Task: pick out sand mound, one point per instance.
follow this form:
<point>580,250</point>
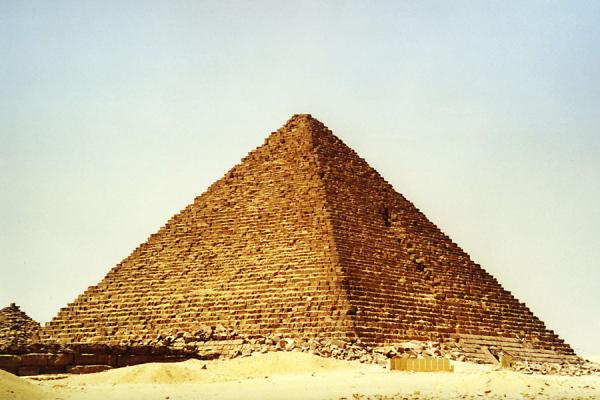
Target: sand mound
<point>182,372</point>
<point>279,363</point>
<point>15,388</point>
<point>299,376</point>
<point>195,371</point>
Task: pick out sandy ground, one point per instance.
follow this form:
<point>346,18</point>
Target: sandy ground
<point>295,376</point>
<point>13,387</point>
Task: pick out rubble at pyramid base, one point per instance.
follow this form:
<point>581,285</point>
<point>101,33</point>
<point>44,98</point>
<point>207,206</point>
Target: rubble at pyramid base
<point>23,353</point>
<point>218,342</point>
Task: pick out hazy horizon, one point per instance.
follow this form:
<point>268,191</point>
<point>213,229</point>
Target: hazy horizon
<point>115,115</point>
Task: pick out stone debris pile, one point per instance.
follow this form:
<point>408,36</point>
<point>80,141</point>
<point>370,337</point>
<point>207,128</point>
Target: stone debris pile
<point>199,334</point>
<point>221,342</point>
<point>417,349</point>
<point>206,342</point>
<point>352,350</point>
<point>585,368</point>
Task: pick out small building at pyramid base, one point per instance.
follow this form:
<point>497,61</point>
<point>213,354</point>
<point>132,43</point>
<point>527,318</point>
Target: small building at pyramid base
<point>303,245</point>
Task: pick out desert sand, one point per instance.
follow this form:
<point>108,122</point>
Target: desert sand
<point>13,387</point>
<point>295,376</point>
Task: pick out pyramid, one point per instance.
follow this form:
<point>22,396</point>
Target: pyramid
<point>17,329</point>
<point>304,238</point>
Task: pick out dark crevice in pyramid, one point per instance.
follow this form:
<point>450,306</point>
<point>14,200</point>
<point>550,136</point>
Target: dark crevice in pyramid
<point>302,238</point>
<point>17,329</point>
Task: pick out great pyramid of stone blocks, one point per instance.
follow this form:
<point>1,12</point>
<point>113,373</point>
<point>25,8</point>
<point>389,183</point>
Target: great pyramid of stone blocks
<point>303,238</point>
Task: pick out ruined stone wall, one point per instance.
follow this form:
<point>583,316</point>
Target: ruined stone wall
<point>84,359</point>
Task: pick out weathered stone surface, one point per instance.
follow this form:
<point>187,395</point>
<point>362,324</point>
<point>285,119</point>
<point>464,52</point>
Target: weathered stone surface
<point>94,359</point>
<point>209,355</point>
<point>28,370</point>
<point>17,329</point>
<point>9,360</point>
<point>36,359</point>
<point>549,368</point>
<point>220,333</point>
<point>302,239</point>
<point>60,360</point>
<point>339,343</point>
<point>203,332</point>
<point>87,369</point>
<point>132,359</point>
<point>39,359</point>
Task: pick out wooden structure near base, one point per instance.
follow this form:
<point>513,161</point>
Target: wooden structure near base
<point>421,364</point>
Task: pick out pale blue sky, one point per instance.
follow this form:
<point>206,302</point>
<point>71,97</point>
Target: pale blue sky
<point>114,115</point>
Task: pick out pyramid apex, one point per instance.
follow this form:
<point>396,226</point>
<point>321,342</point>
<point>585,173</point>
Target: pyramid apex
<point>12,308</point>
<point>302,119</point>
<point>305,124</point>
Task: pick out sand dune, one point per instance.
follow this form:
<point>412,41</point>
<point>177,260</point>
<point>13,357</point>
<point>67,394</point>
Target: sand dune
<point>296,376</point>
<point>195,371</point>
<point>15,388</point>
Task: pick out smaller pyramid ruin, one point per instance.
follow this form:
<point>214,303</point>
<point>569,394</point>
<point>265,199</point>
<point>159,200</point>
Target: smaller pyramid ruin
<point>17,329</point>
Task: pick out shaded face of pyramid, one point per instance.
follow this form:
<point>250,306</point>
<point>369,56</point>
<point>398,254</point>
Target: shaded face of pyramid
<point>301,238</point>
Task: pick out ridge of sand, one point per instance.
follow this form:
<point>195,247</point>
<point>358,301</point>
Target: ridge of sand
<point>301,376</point>
<point>14,388</point>
<point>195,371</point>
